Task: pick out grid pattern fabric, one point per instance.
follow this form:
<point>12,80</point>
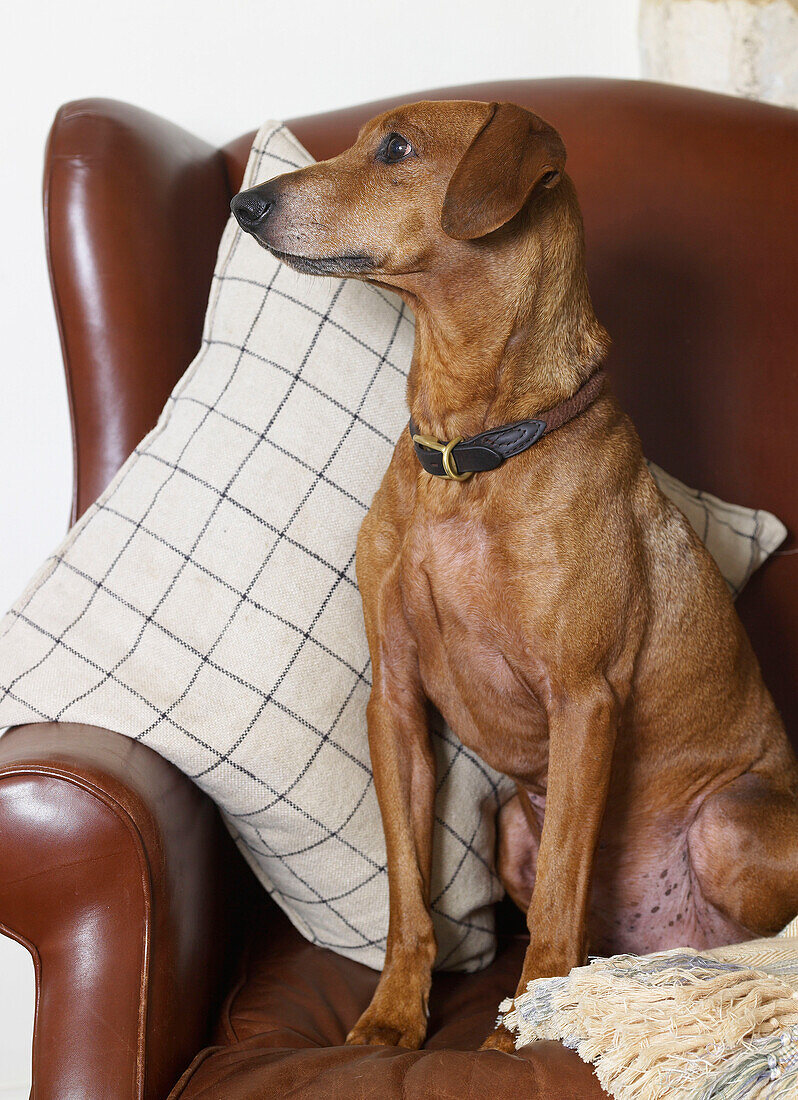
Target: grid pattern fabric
<point>739,539</point>
<point>207,605</point>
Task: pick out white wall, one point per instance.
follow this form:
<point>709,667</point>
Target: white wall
<point>218,69</point>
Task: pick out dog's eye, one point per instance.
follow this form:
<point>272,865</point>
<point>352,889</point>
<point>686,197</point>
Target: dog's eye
<point>395,148</point>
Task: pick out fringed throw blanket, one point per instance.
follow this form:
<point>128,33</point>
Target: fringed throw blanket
<point>709,1025</point>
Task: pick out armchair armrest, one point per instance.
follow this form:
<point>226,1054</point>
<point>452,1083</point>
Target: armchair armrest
<point>115,872</point>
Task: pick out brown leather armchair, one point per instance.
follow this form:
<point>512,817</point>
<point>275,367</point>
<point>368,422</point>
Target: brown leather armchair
<point>154,950</point>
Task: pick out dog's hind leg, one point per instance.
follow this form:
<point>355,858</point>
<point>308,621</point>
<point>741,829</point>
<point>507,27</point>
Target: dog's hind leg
<point>744,852</point>
<point>518,828</point>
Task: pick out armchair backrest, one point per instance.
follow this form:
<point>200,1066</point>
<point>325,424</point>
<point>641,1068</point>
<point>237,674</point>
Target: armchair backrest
<point>691,215</point>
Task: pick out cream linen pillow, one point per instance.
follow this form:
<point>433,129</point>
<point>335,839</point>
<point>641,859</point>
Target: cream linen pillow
<point>206,604</point>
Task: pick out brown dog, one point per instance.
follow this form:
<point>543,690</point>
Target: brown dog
<point>557,610</point>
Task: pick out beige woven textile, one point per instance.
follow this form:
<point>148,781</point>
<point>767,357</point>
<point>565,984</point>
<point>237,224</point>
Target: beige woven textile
<point>679,1024</point>
<point>207,606</point>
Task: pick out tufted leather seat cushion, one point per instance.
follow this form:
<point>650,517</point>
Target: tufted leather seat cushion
<point>282,1029</point>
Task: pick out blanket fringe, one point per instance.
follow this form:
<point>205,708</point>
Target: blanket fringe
<point>677,1024</point>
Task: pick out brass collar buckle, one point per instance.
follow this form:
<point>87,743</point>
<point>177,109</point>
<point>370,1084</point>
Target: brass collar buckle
<point>449,464</point>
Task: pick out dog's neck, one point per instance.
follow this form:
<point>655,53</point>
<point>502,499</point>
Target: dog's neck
<point>511,333</point>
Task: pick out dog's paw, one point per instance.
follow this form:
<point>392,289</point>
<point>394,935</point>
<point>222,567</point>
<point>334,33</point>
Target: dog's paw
<point>373,1031</point>
<point>500,1039</point>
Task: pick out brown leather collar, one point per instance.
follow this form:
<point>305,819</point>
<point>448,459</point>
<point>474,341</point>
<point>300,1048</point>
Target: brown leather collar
<point>458,459</point>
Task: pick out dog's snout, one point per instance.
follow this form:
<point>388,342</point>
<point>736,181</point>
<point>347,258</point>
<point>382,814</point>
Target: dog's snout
<point>252,208</point>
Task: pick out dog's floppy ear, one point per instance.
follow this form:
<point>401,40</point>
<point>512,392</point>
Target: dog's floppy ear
<point>514,152</point>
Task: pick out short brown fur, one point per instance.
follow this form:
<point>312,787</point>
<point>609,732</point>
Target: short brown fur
<point>559,611</point>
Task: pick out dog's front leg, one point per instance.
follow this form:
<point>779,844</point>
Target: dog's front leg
<point>404,777</point>
<point>582,729</point>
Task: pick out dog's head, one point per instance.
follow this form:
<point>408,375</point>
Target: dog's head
<point>420,183</point>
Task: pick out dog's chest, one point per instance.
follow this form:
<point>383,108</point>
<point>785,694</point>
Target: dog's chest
<point>461,600</point>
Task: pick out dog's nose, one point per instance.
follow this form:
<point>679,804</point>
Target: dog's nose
<point>252,208</point>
